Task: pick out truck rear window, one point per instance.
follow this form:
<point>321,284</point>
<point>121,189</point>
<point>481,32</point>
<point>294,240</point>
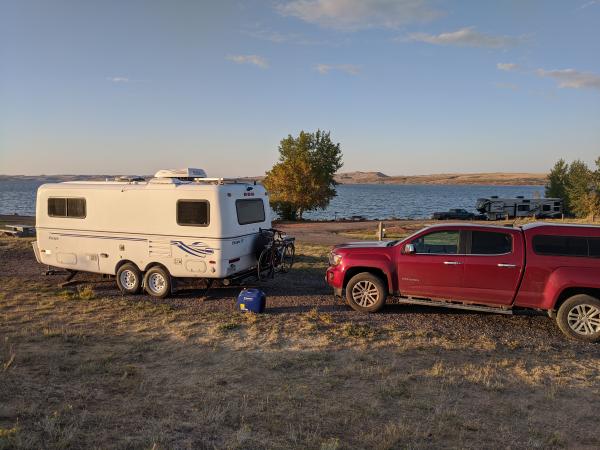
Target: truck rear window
<point>250,210</point>
<point>566,246</point>
<point>490,243</point>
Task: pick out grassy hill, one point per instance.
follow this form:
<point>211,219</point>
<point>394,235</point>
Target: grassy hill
<point>494,178</point>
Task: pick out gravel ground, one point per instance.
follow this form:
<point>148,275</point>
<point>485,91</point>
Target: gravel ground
<point>304,289</point>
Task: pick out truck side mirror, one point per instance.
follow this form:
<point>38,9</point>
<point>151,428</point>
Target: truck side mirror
<point>409,249</point>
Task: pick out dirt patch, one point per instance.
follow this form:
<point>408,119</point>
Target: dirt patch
<point>88,367</point>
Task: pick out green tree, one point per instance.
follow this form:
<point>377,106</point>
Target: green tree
<point>579,188</point>
<point>557,183</point>
<point>302,180</point>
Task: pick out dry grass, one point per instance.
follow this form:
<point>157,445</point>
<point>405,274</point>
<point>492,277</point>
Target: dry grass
<point>78,369</point>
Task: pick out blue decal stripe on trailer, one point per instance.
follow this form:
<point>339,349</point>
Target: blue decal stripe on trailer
<point>114,238</point>
<point>194,249</point>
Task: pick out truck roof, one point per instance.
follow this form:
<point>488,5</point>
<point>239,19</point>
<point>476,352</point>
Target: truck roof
<point>529,226</point>
<point>535,225</point>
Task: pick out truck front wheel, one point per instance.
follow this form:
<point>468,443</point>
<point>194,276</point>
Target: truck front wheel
<point>579,318</point>
<point>366,292</point>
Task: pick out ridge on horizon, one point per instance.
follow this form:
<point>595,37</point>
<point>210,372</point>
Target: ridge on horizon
<point>360,177</point>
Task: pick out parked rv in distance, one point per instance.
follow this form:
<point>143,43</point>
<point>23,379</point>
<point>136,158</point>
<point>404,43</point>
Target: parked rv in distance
<point>495,208</point>
<point>179,224</point>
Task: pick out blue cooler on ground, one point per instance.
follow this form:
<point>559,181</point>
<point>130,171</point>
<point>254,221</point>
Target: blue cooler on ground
<point>253,300</point>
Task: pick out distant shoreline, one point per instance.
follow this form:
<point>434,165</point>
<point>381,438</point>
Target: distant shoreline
<point>482,179</point>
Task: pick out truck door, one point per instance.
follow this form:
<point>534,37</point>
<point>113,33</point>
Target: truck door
<point>494,262</point>
<point>435,269</point>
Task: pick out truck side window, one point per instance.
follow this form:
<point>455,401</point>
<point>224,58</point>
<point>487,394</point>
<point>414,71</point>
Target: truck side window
<point>490,243</point>
<point>66,207</point>
<point>560,245</point>
<point>250,211</point>
<point>438,242</point>
<point>193,213</point>
<point>594,247</point>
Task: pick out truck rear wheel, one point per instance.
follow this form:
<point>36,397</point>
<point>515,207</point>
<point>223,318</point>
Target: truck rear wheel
<point>129,279</point>
<point>366,292</point>
<point>579,318</point>
<point>158,282</point>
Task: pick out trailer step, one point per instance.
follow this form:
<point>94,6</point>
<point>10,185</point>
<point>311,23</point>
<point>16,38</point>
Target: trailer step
<point>449,304</point>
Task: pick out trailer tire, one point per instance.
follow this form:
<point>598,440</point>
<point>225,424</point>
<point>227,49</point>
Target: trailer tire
<point>579,318</point>
<point>158,282</point>
<point>365,292</point>
<point>129,279</point>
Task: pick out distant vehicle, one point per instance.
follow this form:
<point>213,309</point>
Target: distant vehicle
<point>179,224</point>
<point>546,267</point>
<point>453,214</point>
<point>495,208</point>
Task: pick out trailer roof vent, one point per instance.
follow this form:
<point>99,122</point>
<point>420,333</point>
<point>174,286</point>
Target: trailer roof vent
<point>180,173</point>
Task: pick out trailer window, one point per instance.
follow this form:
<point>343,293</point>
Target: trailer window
<point>439,242</point>
<point>66,207</point>
<point>490,243</point>
<point>560,245</point>
<point>193,213</point>
<point>250,211</point>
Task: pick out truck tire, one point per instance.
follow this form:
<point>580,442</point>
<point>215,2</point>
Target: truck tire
<point>129,279</point>
<point>158,282</point>
<point>366,292</point>
<point>579,318</point>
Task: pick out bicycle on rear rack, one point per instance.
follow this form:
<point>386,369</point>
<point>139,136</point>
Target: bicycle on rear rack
<point>277,256</point>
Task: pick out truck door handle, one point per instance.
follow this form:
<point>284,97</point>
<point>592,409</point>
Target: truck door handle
<point>452,263</point>
<point>510,266</point>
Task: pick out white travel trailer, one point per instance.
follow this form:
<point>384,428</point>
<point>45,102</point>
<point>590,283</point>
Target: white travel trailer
<point>178,224</point>
<point>495,208</point>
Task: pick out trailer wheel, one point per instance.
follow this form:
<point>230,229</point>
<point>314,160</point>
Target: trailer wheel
<point>366,292</point>
<point>579,318</point>
<point>129,279</point>
<point>158,282</point>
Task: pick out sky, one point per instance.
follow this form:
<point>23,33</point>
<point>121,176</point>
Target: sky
<point>405,86</point>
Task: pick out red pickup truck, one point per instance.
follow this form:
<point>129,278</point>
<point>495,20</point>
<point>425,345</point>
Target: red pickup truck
<point>544,267</point>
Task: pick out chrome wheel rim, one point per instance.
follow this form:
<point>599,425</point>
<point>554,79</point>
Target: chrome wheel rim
<point>128,279</point>
<point>156,283</point>
<point>365,293</point>
<point>584,319</point>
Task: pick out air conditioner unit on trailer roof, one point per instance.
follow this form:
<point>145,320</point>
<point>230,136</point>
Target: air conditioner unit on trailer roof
<point>180,173</point>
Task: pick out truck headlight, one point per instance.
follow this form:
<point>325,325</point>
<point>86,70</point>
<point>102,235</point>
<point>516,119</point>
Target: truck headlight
<point>334,259</point>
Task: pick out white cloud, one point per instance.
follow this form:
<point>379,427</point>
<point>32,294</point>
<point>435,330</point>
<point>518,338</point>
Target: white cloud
<point>249,59</point>
<point>466,37</point>
<point>281,38</point>
<point>508,67</point>
<point>351,15</point>
<point>590,3</point>
<point>511,86</point>
<point>571,78</point>
<point>118,79</point>
<point>350,69</point>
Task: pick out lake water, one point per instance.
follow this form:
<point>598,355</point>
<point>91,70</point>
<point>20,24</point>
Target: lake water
<point>373,201</point>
